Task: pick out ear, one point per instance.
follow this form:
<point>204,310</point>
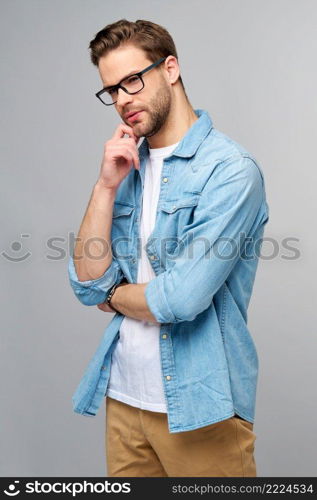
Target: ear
<point>171,68</point>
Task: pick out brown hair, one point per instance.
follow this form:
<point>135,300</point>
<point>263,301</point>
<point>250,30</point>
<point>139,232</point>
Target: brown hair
<point>150,37</point>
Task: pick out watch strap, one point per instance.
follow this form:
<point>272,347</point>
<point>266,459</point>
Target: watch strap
<point>113,289</point>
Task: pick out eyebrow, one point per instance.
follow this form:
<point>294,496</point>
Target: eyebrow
<point>129,74</point>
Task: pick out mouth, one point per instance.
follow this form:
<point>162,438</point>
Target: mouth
<point>134,117</point>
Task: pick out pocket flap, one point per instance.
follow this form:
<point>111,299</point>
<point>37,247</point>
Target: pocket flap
<point>120,208</point>
<point>172,206</point>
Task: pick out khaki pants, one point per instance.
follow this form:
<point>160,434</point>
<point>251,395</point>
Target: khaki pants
<point>138,444</point>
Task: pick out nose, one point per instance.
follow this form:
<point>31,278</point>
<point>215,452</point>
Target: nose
<point>123,98</point>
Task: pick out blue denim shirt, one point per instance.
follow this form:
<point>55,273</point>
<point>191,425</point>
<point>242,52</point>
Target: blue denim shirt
<point>204,250</point>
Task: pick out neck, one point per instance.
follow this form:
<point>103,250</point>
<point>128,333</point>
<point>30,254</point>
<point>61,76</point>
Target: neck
<point>181,117</point>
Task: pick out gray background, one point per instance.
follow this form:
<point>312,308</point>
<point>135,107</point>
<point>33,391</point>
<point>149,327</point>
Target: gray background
<point>251,64</point>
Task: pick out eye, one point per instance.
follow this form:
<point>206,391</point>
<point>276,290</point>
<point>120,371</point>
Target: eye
<point>132,79</point>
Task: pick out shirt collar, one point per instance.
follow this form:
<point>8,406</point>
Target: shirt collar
<point>190,142</point>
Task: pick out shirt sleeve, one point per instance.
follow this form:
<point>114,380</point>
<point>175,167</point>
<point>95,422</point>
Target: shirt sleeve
<point>228,209</point>
<point>93,292</point>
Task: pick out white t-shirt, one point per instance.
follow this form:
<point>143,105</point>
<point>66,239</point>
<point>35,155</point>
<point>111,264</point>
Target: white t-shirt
<point>136,375</point>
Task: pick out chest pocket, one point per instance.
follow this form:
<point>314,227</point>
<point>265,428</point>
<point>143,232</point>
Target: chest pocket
<point>175,216</point>
<point>121,236</point>
<point>121,209</point>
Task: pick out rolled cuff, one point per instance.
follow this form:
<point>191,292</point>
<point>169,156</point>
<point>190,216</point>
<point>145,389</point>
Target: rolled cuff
<point>95,291</point>
<point>156,301</point>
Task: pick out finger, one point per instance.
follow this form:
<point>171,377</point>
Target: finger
<point>104,308</point>
<point>123,129</point>
<point>131,133</point>
<point>135,158</point>
<point>126,140</point>
<point>136,161</point>
<point>128,152</point>
<point>135,155</point>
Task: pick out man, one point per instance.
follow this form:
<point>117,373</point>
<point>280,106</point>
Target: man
<point>169,242</point>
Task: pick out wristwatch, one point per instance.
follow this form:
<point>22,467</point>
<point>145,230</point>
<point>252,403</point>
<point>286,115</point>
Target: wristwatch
<point>113,289</point>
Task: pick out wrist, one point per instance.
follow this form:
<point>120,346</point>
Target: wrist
<point>112,308</point>
<point>111,299</point>
<point>102,198</point>
<point>101,186</point>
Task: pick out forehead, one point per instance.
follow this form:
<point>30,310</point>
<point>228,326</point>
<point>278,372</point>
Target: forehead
<point>120,62</point>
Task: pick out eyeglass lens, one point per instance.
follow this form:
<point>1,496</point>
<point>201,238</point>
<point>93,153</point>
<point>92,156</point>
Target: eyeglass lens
<point>132,84</point>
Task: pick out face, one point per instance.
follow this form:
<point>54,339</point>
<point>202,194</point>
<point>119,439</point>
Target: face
<point>154,99</point>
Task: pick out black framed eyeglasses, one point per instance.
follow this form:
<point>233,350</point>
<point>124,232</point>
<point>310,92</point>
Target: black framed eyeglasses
<point>131,84</point>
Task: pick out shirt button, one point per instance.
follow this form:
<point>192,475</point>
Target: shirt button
<point>165,179</point>
<point>168,377</point>
<point>152,257</point>
<point>164,336</point>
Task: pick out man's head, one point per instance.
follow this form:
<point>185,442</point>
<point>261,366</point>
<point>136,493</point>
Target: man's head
<point>125,47</point>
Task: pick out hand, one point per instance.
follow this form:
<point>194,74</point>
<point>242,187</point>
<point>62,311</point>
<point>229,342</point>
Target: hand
<point>120,153</point>
<point>105,308</point>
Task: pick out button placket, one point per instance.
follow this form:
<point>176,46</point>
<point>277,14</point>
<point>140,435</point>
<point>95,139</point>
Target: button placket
<point>167,363</point>
<point>149,247</point>
<point>138,211</point>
